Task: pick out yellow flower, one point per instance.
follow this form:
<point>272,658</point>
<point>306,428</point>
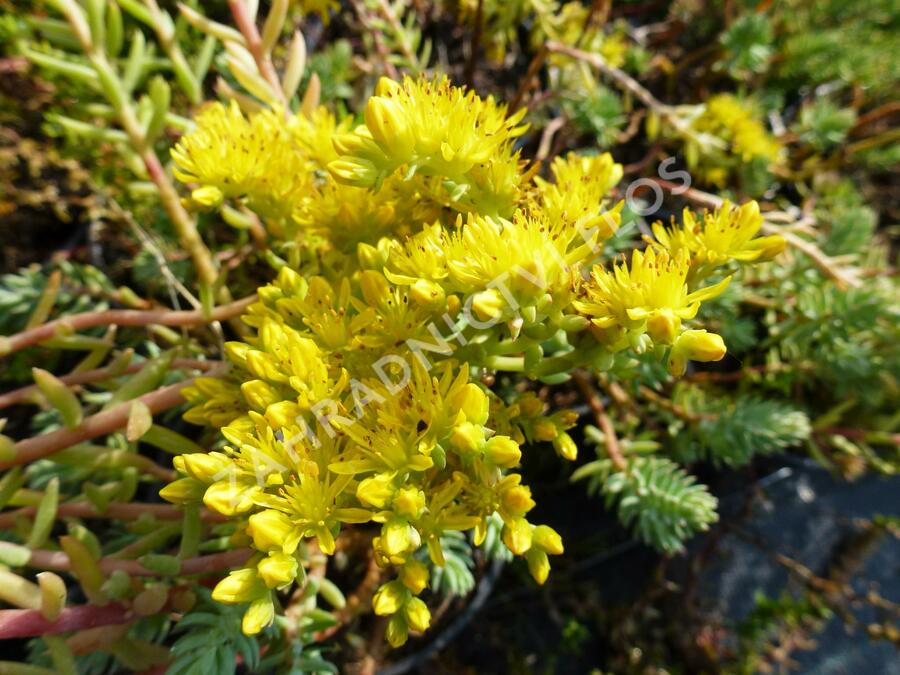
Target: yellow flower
<point>315,506</point>
<point>735,121</point>
<point>233,157</point>
<point>433,128</point>
<point>649,296</point>
<point>314,134</point>
<point>346,215</point>
<point>501,265</point>
<point>577,196</point>
<point>729,233</point>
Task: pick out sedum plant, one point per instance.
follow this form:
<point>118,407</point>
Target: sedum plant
<point>360,396</point>
<point>443,278</point>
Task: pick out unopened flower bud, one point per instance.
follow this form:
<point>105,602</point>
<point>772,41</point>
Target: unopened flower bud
<point>417,615</point>
<point>259,395</point>
<point>208,196</point>
<point>376,490</point>
<point>467,437</point>
<point>389,598</point>
<point>488,304</point>
<point>502,451</point>
<point>547,539</point>
<point>239,586</point>
<point>538,565</point>
<point>663,326</point>
<point>370,258</point>
<point>389,127</point>
<point>545,430</point>
<point>517,500</point>
<point>204,466</point>
<point>354,171</point>
<point>427,293</point>
<point>414,575</point>
<point>270,530</point>
<point>768,247</point>
<point>183,491</point>
<point>474,403</point>
<point>695,345</point>
<point>397,631</point>
<point>259,615</point>
<point>409,502</point>
<point>517,535</point>
<point>565,446</point>
<point>277,569</point>
<point>396,537</point>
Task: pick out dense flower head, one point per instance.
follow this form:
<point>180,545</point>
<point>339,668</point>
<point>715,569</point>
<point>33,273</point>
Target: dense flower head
<point>578,193</point>
<point>424,260</point>
<point>728,233</point>
<point>230,156</point>
<point>431,127</point>
<point>501,265</point>
<point>649,298</point>
<point>727,117</point>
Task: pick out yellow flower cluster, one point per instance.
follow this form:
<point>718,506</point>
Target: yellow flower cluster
<point>735,122</point>
<point>311,448</point>
<point>645,303</point>
<point>233,157</point>
<point>361,396</point>
<point>727,234</point>
<point>432,128</point>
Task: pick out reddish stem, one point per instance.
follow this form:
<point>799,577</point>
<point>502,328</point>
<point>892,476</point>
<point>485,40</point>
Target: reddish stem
<point>121,317</point>
<point>123,511</point>
<point>24,623</point>
<point>31,449</point>
<point>583,381</point>
<point>246,25</point>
